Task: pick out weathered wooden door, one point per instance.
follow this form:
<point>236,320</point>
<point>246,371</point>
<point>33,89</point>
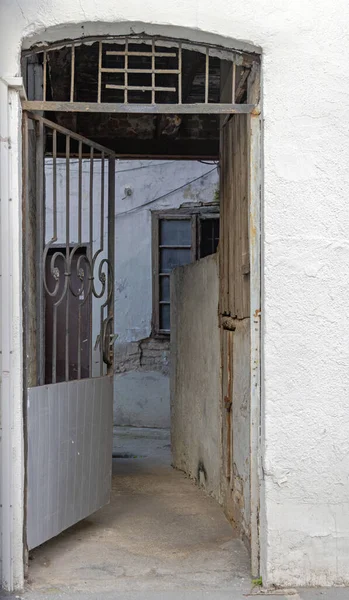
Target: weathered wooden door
<point>69,185</point>
<point>235,317</point>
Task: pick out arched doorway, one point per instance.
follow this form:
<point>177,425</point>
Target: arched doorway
<point>139,83</point>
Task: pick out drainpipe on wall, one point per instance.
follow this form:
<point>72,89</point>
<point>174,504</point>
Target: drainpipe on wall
<point>11,366</point>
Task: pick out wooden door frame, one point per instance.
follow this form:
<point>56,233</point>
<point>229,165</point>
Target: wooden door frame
<point>255,251</point>
<point>233,308</point>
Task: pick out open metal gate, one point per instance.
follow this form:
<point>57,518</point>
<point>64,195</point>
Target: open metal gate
<point>68,212</point>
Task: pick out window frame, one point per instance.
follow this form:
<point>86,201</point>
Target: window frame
<point>203,216</point>
<point>193,214</point>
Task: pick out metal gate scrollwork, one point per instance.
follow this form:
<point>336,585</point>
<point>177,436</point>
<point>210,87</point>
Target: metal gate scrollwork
<point>73,271</point>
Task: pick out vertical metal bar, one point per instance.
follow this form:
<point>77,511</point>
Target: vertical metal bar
<point>92,253</point>
<point>91,198</point>
<point>44,76</point>
<point>54,344</point>
<point>72,75</point>
<point>67,252</point>
<point>111,240</point>
<point>233,80</point>
<point>54,183</point>
<point>102,202</point>
<point>79,342</point>
<point>101,340</point>
<point>40,241</point>
<point>100,47</point>
<point>80,195</point>
<point>126,73</point>
<point>153,72</point>
<point>207,74</point>
<point>79,241</point>
<point>180,73</point>
<point>54,195</point>
<point>26,247</point>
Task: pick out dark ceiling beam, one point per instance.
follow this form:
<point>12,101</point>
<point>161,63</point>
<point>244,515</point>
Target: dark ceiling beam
<point>152,148</point>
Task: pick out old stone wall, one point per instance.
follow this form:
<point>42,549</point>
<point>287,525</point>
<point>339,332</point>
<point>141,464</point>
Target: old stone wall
<point>150,354</point>
<point>141,383</point>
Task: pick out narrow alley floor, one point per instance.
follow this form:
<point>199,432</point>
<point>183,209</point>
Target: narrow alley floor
<point>160,532</point>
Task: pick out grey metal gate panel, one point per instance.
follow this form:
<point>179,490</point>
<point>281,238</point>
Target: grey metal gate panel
<point>69,300</point>
<point>69,454</point>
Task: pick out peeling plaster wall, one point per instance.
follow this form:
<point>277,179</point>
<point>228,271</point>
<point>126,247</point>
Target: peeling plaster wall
<point>305,485</point>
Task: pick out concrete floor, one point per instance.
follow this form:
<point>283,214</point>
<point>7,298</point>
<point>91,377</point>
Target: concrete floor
<point>159,533</point>
<point>160,538</point>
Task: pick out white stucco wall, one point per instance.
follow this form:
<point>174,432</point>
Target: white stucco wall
<point>305,488</point>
